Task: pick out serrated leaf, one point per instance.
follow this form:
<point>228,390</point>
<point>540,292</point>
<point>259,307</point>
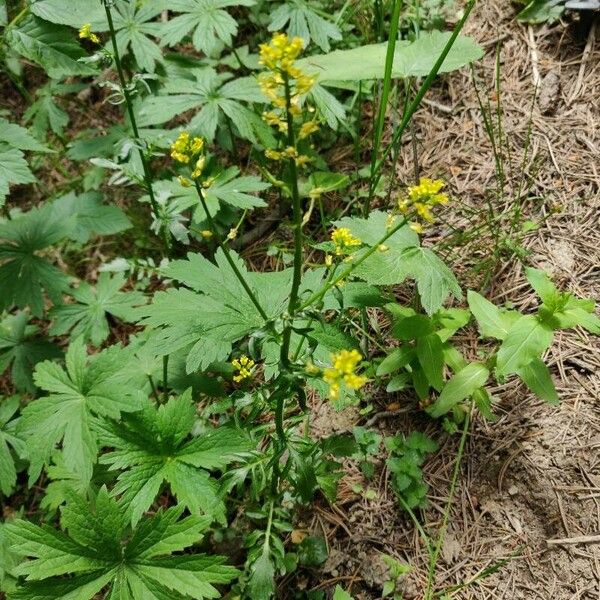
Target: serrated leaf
<point>537,378</point>
<point>237,191</point>
<point>11,445</point>
<point>87,316</point>
<point>261,583</point>
<point>101,552</point>
<point>21,348</point>
<point>80,12</point>
<point>54,47</point>
<point>76,396</point>
<point>461,386</point>
<point>13,169</point>
<point>206,20</point>
<point>18,137</point>
<point>414,59</point>
<point>526,340</point>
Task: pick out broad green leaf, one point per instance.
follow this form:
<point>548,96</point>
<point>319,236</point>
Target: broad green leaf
<point>305,23</point>
<point>97,550</point>
<point>542,284</point>
<point>156,446</point>
<point>91,216</point>
<point>461,386</point>
<point>10,444</point>
<point>211,26</point>
<point>54,47</point>
<point>527,339</point>
<point>394,361</point>
<point>578,312</point>
<point>24,274</point>
<point>13,169</point>
<point>493,322</point>
<point>340,594</point>
<point>537,378</point>
<point>431,358</point>
<point>261,584</point>
<point>87,316</point>
<point>414,59</point>
<point>79,13</point>
<point>21,348</point>
<point>76,396</point>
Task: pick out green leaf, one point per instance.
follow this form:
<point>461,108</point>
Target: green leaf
<point>305,23</point>
<point>87,317</point>
<point>435,281</point>
<point>431,357</point>
<point>527,339</point>
<point>461,386</point>
<point>211,26</point>
<point>542,284</point>
<point>54,47</point>
<point>97,551</point>
<point>18,137</point>
<point>261,584</point>
<point>13,169</point>
<point>90,215</point>
<point>10,444</point>
<point>76,396</point>
<point>217,99</point>
<point>340,594</point>
<point>237,191</point>
<point>493,322</point>
<point>541,11</point>
<point>394,361</point>
<point>414,59</point>
<point>21,348</point>
<point>24,275</point>
<point>156,446</point>
<point>537,378</point>
<point>80,12</point>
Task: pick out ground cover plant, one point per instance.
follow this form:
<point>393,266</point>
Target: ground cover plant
<point>188,276</point>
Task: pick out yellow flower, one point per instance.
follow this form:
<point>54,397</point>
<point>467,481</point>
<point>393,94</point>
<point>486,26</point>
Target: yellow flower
<point>243,365</point>
<point>85,33</point>
<point>417,227</point>
<point>302,160</point>
<point>428,192</point>
<point>199,167</point>
<point>206,234</point>
<point>343,371</point>
<point>344,241</point>
<point>184,181</point>
<point>281,52</point>
<point>184,149</point>
<point>307,129</point>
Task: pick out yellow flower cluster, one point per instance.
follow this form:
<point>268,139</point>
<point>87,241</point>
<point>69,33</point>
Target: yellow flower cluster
<point>185,150</point>
<point>85,33</point>
<point>243,365</point>
<point>344,241</point>
<point>283,83</point>
<point>289,152</point>
<point>422,198</point>
<point>343,371</point>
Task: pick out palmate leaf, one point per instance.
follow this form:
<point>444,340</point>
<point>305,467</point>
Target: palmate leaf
<point>90,215</point>
<point>156,446</point>
<point>54,47</point>
<point>87,316</point>
<point>216,313</point>
<point>237,191</point>
<point>21,348</point>
<point>97,550</point>
<point>133,23</point>
<point>206,20</point>
<point>45,113</point>
<point>76,396</point>
<point>10,444</point>
<point>216,98</point>
<point>24,275</point>
<point>304,22</point>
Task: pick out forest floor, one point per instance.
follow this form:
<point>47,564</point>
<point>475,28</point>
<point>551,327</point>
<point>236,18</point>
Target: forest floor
<point>533,475</point>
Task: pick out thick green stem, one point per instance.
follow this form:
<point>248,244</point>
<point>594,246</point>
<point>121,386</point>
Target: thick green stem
<point>228,257</point>
<point>133,122</point>
<point>297,207</point>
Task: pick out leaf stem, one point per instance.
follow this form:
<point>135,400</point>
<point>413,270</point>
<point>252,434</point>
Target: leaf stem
<point>133,122</point>
<point>227,253</point>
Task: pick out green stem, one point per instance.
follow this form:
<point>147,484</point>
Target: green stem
<point>375,248</point>
<point>297,207</point>
<point>385,94</point>
<point>418,98</point>
<point>133,122</point>
<point>165,381</point>
<point>227,253</point>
